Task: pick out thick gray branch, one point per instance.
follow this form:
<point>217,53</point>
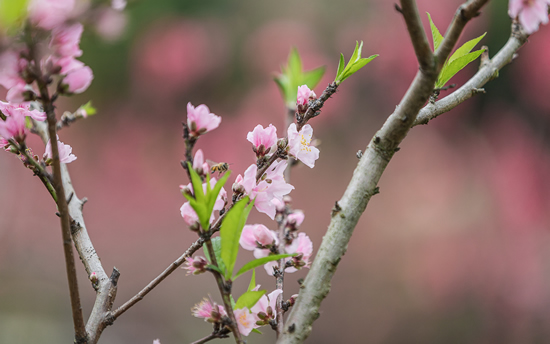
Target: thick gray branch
<point>363,186</point>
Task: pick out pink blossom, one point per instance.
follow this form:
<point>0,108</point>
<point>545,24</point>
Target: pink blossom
<point>156,341</point>
<point>10,109</point>
<point>204,310</point>
<point>68,64</point>
<point>188,213</point>
<point>200,120</point>
<point>78,80</point>
<point>65,152</point>
<point>11,67</point>
<point>304,94</point>
<point>110,24</point>
<point>246,321</point>
<point>265,302</point>
<point>198,163</point>
<point>195,265</point>
<point>3,142</point>
<point>50,13</point>
<point>301,245</point>
<point>296,218</point>
<point>531,13</point>
<point>299,143</point>
<point>118,5</point>
<point>272,186</point>
<point>263,139</point>
<point>254,235</point>
<point>14,127</point>
<point>66,39</point>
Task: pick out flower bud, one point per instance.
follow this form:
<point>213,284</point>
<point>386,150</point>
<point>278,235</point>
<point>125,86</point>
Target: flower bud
<point>292,300</point>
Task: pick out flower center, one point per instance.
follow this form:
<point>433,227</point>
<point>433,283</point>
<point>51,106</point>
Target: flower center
<point>304,143</point>
<point>243,321</point>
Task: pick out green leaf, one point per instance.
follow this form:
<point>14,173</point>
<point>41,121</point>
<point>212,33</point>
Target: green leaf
<point>252,284</point>
<point>202,203</point>
<point>215,268</point>
<point>356,66</point>
<point>436,36</point>
<point>88,108</point>
<point>249,299</point>
<point>341,65</point>
<point>230,233</point>
<point>261,261</point>
<point>212,195</point>
<point>312,78</point>
<point>355,63</point>
<point>255,330</point>
<point>456,66</point>
<point>217,245</point>
<point>12,13</point>
<point>466,48</point>
<point>292,76</point>
<point>356,53</point>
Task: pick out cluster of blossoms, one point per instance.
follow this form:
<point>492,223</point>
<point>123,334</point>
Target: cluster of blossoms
<point>26,64</point>
<point>264,182</point>
<point>530,13</point>
<point>259,315</point>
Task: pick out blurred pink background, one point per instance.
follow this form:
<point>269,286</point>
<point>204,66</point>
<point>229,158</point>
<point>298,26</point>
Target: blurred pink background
<point>455,248</point>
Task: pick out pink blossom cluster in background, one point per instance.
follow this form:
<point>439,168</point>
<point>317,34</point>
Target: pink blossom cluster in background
<point>531,13</point>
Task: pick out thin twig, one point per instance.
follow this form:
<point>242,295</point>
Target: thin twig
<point>139,296</point>
<point>315,106</point>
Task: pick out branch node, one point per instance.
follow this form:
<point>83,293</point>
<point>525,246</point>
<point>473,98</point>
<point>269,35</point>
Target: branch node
<point>398,8</point>
<point>359,154</point>
<point>336,209</point>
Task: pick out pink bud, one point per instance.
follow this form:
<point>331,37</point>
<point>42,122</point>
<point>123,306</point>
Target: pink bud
<point>14,127</point>
<point>78,80</point>
<point>65,152</point>
<point>66,39</point>
<point>304,94</point>
<point>260,136</point>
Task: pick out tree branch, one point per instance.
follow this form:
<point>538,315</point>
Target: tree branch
<point>139,296</point>
<point>106,286</point>
<point>361,188</point>
<point>62,207</point>
<point>467,11</point>
<point>419,40</point>
<point>487,72</point>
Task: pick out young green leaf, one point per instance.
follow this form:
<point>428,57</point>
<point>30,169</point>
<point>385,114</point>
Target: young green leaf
<point>230,233</point>
<point>249,299</point>
<point>292,76</point>
<point>261,261</point>
<point>436,36</point>
<point>255,330</point>
<point>341,65</point>
<point>12,12</point>
<point>215,268</point>
<point>88,109</point>
<point>354,64</point>
<point>456,66</point>
<point>252,284</point>
<point>217,245</point>
<point>466,48</point>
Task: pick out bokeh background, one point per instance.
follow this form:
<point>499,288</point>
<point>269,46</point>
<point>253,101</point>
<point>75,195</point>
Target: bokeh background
<point>455,248</point>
